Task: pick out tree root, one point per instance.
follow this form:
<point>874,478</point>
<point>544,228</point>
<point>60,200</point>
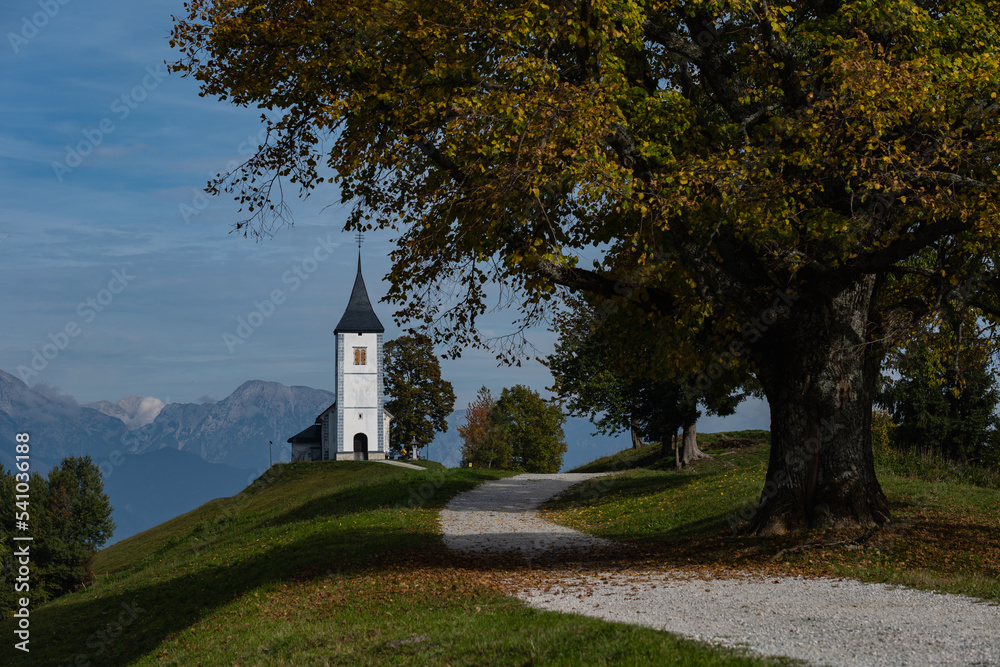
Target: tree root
<point>863,539</point>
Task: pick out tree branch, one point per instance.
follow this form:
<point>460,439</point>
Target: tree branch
<point>906,246</point>
<point>671,41</point>
<point>938,177</point>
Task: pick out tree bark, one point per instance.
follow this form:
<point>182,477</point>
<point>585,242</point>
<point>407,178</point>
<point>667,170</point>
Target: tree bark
<point>636,438</point>
<point>689,446</point>
<point>819,365</point>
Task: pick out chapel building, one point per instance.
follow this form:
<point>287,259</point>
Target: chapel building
<point>356,426</point>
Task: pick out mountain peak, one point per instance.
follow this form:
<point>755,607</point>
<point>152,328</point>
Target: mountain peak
<point>134,411</point>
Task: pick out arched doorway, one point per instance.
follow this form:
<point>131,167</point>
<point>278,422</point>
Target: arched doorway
<point>361,446</point>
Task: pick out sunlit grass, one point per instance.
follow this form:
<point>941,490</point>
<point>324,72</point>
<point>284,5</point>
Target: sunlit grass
<point>945,535</point>
<point>324,563</point>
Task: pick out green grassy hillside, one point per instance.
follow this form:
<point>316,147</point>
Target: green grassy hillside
<point>945,534</point>
<point>318,564</point>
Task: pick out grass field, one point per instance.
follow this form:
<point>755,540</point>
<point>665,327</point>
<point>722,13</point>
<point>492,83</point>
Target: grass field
<point>341,563</point>
<point>945,535</point>
<point>320,564</point>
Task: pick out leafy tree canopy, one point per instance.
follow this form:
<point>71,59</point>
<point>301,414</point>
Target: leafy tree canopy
<point>532,429</point>
<point>601,371</point>
<point>518,431</point>
<point>945,396</point>
<point>718,157</point>
<point>420,400</point>
<point>77,523</point>
<point>481,445</point>
<point>69,516</point>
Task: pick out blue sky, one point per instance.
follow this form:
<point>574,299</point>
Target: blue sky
<point>119,272</point>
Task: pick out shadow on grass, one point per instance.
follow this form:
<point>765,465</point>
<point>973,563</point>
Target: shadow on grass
<point>410,490</point>
<point>96,627</point>
<point>636,485</point>
<point>162,609</point>
<point>166,607</point>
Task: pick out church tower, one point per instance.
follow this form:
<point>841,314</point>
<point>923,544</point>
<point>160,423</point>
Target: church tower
<point>356,426</point>
<point>362,424</point>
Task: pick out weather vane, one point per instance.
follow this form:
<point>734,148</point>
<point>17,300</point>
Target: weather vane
<point>359,237</point>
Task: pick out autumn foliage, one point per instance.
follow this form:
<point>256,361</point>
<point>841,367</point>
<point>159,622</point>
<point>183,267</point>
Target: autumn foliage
<point>684,163</point>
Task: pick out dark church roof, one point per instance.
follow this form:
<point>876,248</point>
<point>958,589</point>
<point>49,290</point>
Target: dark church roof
<point>307,437</point>
<point>359,316</point>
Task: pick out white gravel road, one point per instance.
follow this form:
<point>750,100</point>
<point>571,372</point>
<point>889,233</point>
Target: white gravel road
<point>500,517</point>
<point>821,621</point>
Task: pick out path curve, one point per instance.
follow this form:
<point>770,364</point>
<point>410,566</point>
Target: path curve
<point>500,517</point>
<point>822,621</point>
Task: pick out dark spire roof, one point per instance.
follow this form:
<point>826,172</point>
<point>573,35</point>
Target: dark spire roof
<point>359,316</point>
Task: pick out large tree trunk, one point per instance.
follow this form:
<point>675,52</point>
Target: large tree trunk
<point>689,450</point>
<point>819,365</point>
<point>636,437</point>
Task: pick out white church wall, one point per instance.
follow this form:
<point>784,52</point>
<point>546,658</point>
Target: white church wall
<point>360,381</point>
<point>369,342</point>
<point>360,420</point>
<point>360,391</point>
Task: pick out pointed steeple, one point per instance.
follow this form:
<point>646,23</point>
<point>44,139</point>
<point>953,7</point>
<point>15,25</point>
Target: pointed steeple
<point>359,316</point>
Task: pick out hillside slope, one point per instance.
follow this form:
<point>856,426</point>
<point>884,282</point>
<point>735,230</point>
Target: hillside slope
<point>323,563</point>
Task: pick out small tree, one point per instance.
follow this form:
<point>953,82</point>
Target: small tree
<point>480,446</point>
<point>421,400</point>
<point>598,379</point>
<point>77,523</point>
<point>945,399</point>
<point>532,429</point>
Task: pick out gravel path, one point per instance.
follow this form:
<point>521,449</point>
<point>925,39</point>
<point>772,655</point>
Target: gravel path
<point>400,464</point>
<point>822,621</point>
<point>499,517</point>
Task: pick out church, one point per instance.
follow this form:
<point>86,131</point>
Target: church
<point>356,426</point>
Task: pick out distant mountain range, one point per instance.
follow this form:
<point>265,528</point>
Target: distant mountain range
<point>58,426</point>
<point>159,460</point>
<point>236,430</point>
